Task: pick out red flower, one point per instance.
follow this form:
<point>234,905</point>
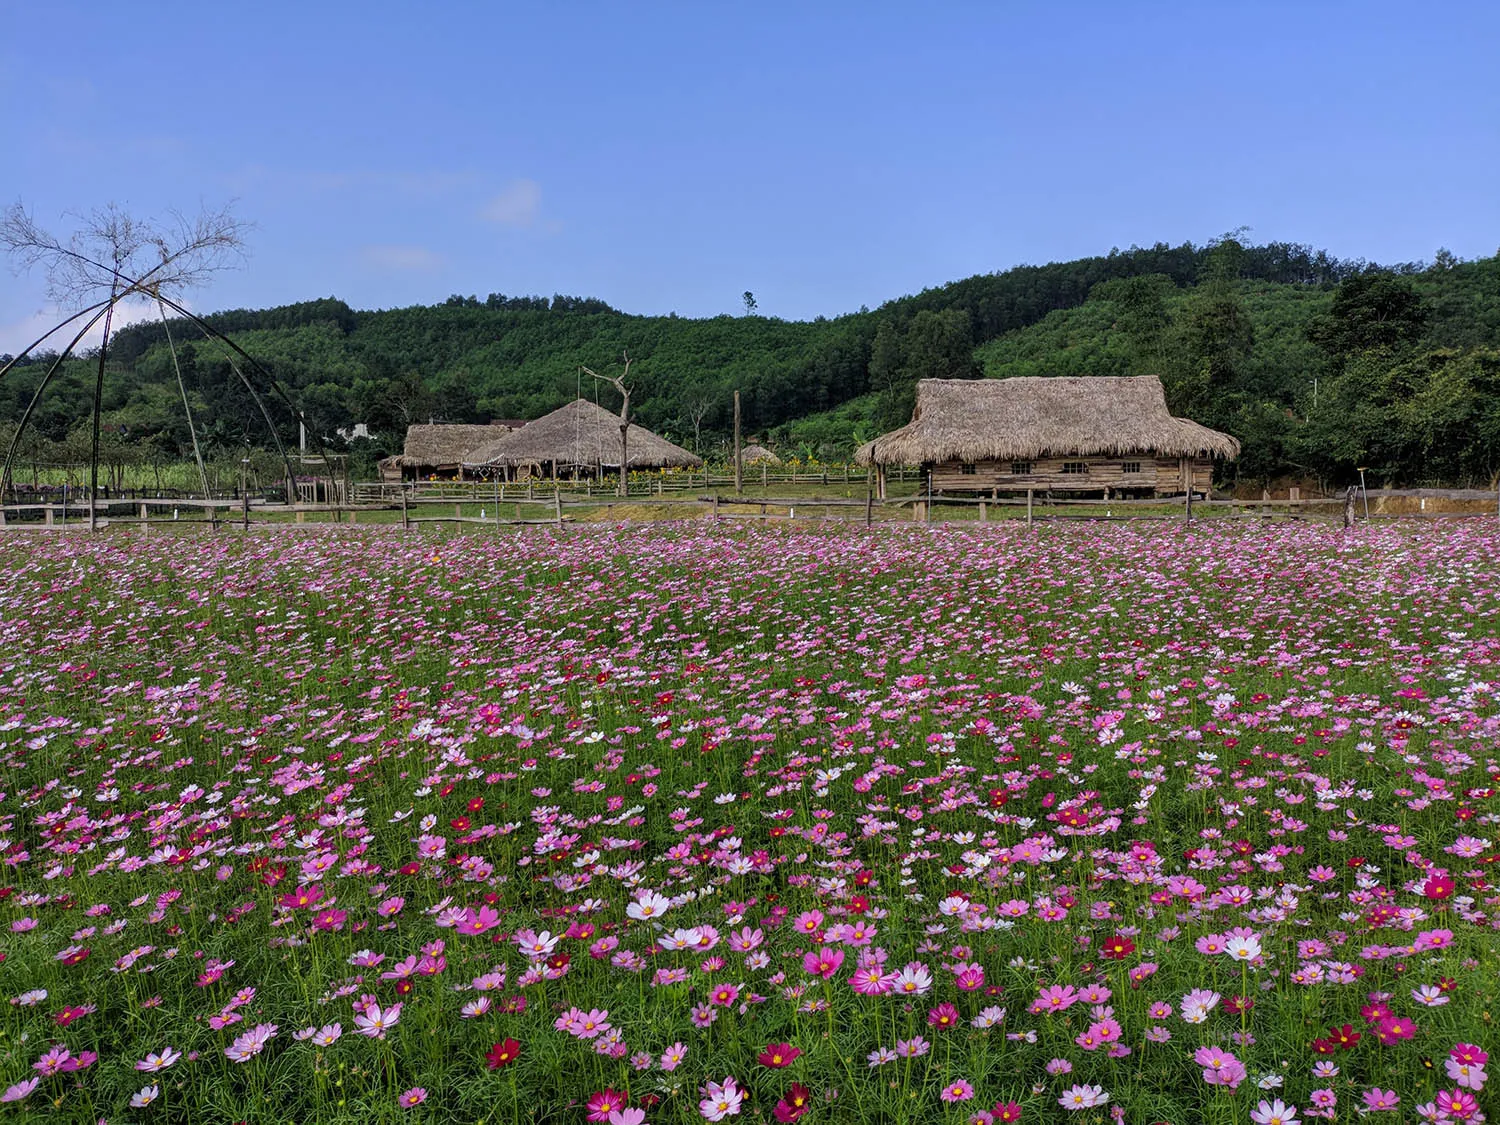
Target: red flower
<point>1118,947</point>
<point>1007,1111</point>
<point>1438,888</point>
<point>778,1055</point>
<point>795,1104</point>
<point>503,1054</point>
<point>1344,1037</point>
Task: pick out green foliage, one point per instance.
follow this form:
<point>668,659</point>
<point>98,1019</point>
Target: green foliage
<point>1238,334</point>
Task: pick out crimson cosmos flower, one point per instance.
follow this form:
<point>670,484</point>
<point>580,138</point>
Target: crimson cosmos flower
<point>503,1054</point>
<point>779,1055</point>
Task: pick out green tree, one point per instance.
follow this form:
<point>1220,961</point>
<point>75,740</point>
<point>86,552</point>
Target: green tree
<point>1372,310</point>
<point>1216,331</point>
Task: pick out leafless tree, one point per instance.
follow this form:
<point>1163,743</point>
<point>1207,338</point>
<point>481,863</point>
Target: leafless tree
<point>698,407</point>
<point>116,254</point>
<point>113,255</point>
<point>618,382</point>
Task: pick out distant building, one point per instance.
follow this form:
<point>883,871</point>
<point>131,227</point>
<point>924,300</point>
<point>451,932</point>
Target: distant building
<point>439,449</point>
<point>1062,434</point>
<point>580,439</point>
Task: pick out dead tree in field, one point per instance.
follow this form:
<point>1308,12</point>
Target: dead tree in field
<point>618,382</point>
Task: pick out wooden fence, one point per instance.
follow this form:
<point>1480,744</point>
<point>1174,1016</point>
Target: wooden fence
<point>521,505</point>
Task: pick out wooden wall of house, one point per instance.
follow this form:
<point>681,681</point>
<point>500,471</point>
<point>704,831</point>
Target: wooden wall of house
<point>1159,475</point>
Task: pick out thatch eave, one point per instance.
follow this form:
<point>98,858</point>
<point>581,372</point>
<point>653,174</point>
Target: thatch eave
<point>1030,418</point>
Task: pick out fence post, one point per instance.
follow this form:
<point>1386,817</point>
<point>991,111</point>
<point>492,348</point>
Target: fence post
<point>405,515</point>
<point>1028,507</point>
<point>869,506</point>
<point>1349,508</point>
<point>557,507</point>
<point>715,499</point>
<point>983,515</point>
<point>245,508</point>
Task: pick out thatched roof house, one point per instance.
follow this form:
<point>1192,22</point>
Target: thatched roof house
<point>440,448</point>
<point>1079,433</point>
<point>754,454</point>
<point>581,435</point>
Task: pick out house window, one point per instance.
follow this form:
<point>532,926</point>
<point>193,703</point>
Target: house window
<point>968,469</point>
<point>1075,468</point>
<point>1020,468</point>
<point>1130,467</point>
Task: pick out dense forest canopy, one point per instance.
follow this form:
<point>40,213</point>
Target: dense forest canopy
<point>1317,364</point>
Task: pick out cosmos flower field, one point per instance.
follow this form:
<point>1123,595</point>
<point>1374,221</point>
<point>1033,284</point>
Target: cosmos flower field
<point>1127,822</point>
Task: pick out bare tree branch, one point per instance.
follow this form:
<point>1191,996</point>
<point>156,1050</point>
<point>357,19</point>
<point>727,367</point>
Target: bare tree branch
<point>618,382</point>
<point>113,253</point>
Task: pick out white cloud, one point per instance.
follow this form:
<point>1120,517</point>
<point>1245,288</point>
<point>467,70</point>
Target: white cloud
<point>401,258</point>
<point>17,334</point>
<point>516,206</point>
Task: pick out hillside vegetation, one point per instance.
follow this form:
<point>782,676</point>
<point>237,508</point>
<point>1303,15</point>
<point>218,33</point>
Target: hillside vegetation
<point>1318,365</point>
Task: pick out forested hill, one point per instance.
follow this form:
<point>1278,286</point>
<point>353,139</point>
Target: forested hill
<point>1404,360</point>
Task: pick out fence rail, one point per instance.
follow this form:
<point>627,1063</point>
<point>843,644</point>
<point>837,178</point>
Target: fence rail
<point>502,505</point>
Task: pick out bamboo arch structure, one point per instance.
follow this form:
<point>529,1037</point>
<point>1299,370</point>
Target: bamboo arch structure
<point>103,310</point>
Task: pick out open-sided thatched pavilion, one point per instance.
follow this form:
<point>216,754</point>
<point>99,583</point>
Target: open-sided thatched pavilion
<point>580,439</point>
<point>438,449</point>
<point>1074,434</point>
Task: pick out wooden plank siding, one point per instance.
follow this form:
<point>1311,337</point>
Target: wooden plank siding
<point>1164,476</point>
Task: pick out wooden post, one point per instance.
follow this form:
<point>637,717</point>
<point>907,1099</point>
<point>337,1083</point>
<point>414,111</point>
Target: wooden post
<point>764,472</point>
<point>557,507</point>
<point>245,509</point>
<point>1349,508</point>
<point>983,514</point>
<point>406,515</point>
<point>47,515</point>
<point>1028,507</point>
<point>869,506</point>
<point>143,513</point>
<point>738,482</point>
<point>458,511</point>
<point>716,508</point>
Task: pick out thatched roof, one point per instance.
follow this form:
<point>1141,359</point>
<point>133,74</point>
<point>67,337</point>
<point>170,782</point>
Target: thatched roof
<point>1026,418</point>
<point>758,455</point>
<point>580,433</point>
<point>443,445</point>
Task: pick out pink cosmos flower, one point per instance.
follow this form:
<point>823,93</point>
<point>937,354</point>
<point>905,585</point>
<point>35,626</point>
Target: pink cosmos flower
<point>957,1091</point>
<point>245,1047</point>
<point>823,963</point>
<point>1457,1104</point>
<point>605,1102</point>
<point>720,1100</point>
<point>375,1022</point>
<point>1274,1113</point>
<point>20,1090</point>
<point>1377,1099</point>
<point>945,1017</point>
<point>1055,998</point>
<point>154,1062</point>
<point>1079,1096</point>
<point>413,1097</point>
<point>1393,1029</point>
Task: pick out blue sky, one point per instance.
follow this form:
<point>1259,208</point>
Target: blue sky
<point>667,157</point>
